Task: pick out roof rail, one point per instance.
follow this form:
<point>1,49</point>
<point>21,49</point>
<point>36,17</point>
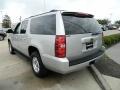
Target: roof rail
<point>42,13</point>
<point>53,10</point>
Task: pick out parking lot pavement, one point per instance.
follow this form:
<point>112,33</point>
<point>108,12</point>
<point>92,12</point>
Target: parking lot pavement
<point>113,82</point>
<point>110,67</point>
<point>11,65</point>
<point>16,74</point>
<point>110,32</point>
<point>114,53</point>
<point>111,73</point>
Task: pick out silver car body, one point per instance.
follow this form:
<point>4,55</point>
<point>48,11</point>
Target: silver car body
<point>75,46</point>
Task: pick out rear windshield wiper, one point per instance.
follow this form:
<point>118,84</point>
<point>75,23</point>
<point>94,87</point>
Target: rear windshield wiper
<point>96,33</point>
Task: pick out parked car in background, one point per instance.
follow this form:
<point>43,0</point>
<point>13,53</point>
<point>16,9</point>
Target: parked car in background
<point>111,27</point>
<point>2,34</point>
<point>104,27</point>
<point>60,41</point>
<point>119,28</point>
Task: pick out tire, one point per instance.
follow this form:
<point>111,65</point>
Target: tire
<point>37,65</point>
<point>11,49</point>
<point>1,37</point>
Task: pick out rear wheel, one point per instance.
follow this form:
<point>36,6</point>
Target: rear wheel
<point>37,65</point>
<point>11,49</point>
<point>1,37</point>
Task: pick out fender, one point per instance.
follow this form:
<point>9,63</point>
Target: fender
<point>38,46</point>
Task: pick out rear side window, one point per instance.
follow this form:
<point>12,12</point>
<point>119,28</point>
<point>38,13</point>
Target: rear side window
<point>43,25</point>
<point>80,25</point>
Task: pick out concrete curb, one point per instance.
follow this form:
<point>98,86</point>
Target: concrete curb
<point>99,78</point>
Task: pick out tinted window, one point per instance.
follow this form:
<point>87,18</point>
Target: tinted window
<point>80,25</point>
<point>24,27</point>
<point>43,25</point>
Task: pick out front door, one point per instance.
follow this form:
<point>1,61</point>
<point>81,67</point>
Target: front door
<point>23,38</point>
<point>15,36</point>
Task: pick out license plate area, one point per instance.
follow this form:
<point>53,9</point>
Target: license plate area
<point>89,45</point>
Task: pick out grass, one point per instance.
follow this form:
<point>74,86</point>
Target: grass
<point>111,40</point>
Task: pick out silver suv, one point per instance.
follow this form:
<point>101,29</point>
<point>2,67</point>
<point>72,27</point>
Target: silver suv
<point>60,41</point>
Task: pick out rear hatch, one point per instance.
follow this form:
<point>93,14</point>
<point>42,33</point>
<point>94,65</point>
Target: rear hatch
<point>83,36</point>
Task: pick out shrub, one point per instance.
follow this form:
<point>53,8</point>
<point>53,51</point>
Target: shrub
<point>111,40</point>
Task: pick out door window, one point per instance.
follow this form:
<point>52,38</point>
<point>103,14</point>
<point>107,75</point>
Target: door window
<point>17,29</point>
<point>24,27</point>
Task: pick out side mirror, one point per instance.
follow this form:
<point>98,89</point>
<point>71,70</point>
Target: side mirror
<point>9,31</point>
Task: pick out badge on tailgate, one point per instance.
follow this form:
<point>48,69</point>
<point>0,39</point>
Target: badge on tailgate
<point>89,44</point>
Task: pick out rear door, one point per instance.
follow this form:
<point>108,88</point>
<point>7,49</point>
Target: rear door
<point>83,35</point>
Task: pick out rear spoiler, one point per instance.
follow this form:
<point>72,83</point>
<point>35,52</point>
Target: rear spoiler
<point>77,14</point>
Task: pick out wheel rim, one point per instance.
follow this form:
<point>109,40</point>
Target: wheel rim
<point>1,38</point>
<point>36,65</point>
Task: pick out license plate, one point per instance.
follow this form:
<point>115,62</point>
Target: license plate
<point>89,45</point>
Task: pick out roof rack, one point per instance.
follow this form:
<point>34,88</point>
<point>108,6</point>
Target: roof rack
<point>54,10</point>
<point>44,13</point>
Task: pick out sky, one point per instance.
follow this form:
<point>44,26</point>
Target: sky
<point>100,8</point>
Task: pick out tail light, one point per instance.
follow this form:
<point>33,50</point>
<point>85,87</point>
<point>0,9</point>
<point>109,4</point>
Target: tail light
<point>60,46</point>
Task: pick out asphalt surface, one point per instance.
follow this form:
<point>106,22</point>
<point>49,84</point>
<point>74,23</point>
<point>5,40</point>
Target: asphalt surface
<point>108,67</point>
<point>110,32</point>
<point>16,74</point>
<point>114,53</point>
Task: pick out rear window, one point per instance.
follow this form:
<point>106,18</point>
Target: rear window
<point>43,25</point>
<point>80,25</point>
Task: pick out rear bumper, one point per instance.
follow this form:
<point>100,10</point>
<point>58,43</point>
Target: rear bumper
<point>62,65</point>
<point>85,59</point>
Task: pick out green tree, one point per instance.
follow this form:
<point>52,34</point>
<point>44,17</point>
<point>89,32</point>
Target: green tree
<point>117,22</point>
<point>6,23</point>
<point>103,21</point>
